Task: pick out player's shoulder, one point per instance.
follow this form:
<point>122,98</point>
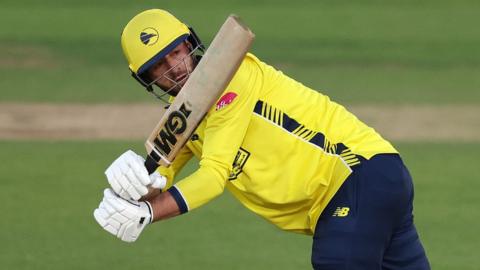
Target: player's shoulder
<point>245,85</point>
<point>251,57</point>
<point>250,63</point>
<point>248,71</point>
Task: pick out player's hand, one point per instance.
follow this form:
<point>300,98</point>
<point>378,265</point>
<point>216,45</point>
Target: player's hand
<point>129,178</point>
<point>122,218</point>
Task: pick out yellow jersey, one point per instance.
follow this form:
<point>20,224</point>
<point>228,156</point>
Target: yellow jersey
<point>282,149</point>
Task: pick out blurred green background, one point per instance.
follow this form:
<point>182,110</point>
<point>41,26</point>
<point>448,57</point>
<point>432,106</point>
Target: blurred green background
<point>357,52</point>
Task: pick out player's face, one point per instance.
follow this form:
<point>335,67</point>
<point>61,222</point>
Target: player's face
<point>172,71</point>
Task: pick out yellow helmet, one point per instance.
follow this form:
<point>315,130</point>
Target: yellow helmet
<point>151,35</point>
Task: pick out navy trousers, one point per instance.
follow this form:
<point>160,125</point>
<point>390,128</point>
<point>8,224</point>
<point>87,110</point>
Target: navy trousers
<point>369,222</point>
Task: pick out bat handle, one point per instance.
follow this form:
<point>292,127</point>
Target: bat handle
<point>150,164</point>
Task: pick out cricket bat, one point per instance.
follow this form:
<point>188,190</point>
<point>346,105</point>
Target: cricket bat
<point>204,86</point>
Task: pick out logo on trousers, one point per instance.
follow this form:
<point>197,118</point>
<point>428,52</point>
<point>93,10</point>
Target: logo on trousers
<point>341,212</point>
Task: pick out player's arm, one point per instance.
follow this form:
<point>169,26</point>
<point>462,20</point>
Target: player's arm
<point>178,163</point>
<point>224,133</point>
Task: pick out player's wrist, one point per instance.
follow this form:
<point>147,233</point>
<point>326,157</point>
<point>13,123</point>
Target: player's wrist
<point>163,206</point>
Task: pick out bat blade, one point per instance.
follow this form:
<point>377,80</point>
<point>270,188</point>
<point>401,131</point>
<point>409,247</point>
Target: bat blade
<point>204,86</point>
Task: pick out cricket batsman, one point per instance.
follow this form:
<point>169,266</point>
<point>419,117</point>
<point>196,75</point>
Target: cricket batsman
<point>286,152</point>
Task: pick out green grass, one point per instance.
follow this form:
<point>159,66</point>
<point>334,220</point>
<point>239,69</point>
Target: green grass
<point>385,51</point>
<point>49,190</point>
<point>50,194</point>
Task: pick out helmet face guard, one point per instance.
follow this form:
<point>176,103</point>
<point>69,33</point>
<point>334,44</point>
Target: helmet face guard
<point>149,37</point>
<point>149,83</point>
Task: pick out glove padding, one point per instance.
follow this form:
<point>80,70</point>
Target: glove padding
<point>129,178</point>
<point>122,218</point>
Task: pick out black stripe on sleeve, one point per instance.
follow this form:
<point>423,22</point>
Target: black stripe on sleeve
<point>179,199</point>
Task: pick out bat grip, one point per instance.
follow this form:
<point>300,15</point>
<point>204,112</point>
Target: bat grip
<point>150,164</point>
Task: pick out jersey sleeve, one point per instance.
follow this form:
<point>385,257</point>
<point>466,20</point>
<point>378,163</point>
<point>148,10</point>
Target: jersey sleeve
<point>226,125</point>
<point>180,160</point>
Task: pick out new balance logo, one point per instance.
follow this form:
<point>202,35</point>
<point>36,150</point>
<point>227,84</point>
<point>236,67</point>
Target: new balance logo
<point>341,212</point>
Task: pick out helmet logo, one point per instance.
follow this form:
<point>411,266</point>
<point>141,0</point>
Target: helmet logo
<point>149,36</point>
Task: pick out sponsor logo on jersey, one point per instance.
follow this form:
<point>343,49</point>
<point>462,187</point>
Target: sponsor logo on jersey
<point>149,36</point>
<point>225,100</point>
<point>237,166</point>
<point>341,212</point>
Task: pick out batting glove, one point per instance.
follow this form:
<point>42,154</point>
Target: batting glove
<point>129,178</point>
<point>122,218</point>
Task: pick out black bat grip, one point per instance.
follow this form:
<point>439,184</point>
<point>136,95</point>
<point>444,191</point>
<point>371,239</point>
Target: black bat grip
<point>150,164</point>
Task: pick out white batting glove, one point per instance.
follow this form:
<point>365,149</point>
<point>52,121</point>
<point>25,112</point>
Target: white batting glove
<point>129,178</point>
<point>122,218</point>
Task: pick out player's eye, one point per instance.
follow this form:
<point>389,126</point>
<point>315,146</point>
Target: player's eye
<point>160,62</point>
<point>158,65</point>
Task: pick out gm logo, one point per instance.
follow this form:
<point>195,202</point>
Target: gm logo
<point>341,212</point>
<point>149,36</point>
<point>176,124</point>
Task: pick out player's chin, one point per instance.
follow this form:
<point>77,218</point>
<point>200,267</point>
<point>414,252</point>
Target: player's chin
<point>175,90</point>
<point>171,90</point>
<point>178,87</point>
